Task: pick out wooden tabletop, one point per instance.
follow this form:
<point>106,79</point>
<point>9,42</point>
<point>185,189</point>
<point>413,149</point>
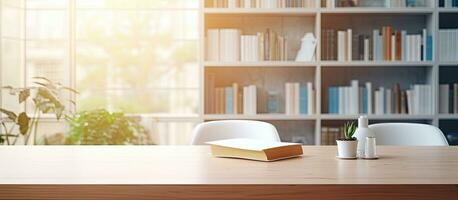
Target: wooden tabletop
<point>195,165</point>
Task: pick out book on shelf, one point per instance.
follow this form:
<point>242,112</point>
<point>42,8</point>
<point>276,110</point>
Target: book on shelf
<point>376,3</point>
<point>261,3</point>
<point>233,99</point>
<point>448,44</point>
<point>354,99</point>
<point>448,98</point>
<point>448,3</point>
<point>229,45</point>
<point>385,44</point>
<point>299,99</point>
<point>329,135</point>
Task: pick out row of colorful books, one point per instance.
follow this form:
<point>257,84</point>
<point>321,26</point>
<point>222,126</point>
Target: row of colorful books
<point>261,3</point>
<point>354,99</point>
<point>299,99</point>
<point>448,44</point>
<point>448,3</point>
<point>386,44</point>
<point>330,134</point>
<point>233,100</point>
<point>375,3</point>
<point>448,98</point>
<point>226,45</point>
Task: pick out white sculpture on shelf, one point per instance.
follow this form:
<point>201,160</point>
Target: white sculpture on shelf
<point>307,50</point>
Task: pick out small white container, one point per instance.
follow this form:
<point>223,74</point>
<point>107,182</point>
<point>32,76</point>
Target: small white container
<point>346,149</point>
<point>362,132</point>
<point>370,151</point>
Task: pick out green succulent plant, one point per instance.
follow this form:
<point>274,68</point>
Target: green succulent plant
<point>349,130</point>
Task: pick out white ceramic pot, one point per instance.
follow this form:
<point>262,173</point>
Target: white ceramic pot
<point>347,148</point>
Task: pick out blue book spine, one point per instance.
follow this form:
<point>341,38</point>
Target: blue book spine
<point>410,3</point>
<point>364,100</point>
<point>229,103</point>
<point>333,100</point>
<point>330,100</point>
<point>303,100</point>
<point>429,47</point>
<point>336,100</point>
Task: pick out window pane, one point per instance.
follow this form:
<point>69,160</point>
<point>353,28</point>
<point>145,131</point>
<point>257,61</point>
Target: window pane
<point>12,20</point>
<point>137,61</point>
<point>47,59</point>
<point>14,3</point>
<point>47,24</point>
<point>141,100</point>
<point>47,4</point>
<point>12,71</point>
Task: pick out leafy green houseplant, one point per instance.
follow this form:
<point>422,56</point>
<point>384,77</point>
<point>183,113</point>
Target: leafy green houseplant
<point>105,128</point>
<point>346,147</point>
<point>45,98</point>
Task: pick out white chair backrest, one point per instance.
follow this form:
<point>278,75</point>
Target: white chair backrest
<point>408,134</point>
<point>227,129</point>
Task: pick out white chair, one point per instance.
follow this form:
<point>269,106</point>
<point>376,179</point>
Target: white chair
<point>227,129</point>
<point>408,134</point>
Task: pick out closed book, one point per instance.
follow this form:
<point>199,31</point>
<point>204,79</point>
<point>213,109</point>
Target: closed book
<point>398,45</point>
<point>444,96</point>
<point>288,99</point>
<point>296,91</point>
<point>366,51</point>
<point>324,136</point>
<point>349,45</point>
<point>424,45</point>
<point>404,45</point>
<point>341,45</point>
<point>213,44</point>
<point>235,97</point>
<point>310,98</point>
<point>341,104</point>
<point>393,47</point>
<point>409,95</point>
<point>429,48</point>
<point>404,102</point>
<point>455,98</point>
<point>246,101</point>
<point>389,42</point>
<point>389,101</point>
<point>369,98</point>
<point>354,97</point>
<point>303,97</point>
<point>253,100</point>
<point>332,100</point>
<point>229,103</point>
<point>375,45</point>
<point>255,149</point>
<point>396,98</point>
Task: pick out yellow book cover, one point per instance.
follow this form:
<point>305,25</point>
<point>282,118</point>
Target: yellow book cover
<point>255,149</point>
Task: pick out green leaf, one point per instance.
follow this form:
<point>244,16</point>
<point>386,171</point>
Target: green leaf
<point>70,89</point>
<point>23,95</point>
<point>23,122</point>
<point>11,115</point>
<point>42,78</point>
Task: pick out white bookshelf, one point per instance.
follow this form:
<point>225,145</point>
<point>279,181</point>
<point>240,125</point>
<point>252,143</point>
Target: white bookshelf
<point>294,22</point>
